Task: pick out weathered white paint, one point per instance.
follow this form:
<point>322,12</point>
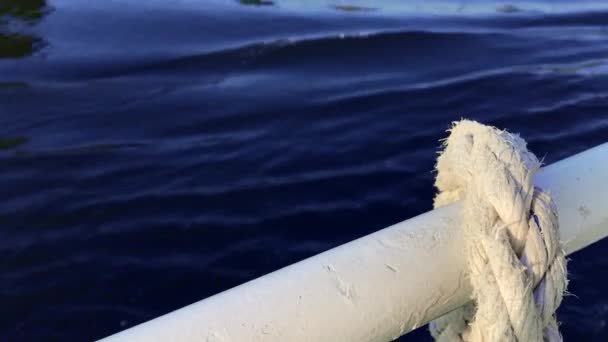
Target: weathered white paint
<point>381,286</point>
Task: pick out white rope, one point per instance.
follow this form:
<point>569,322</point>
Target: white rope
<point>516,263</point>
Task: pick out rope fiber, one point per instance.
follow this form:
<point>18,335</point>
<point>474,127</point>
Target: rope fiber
<point>516,263</point>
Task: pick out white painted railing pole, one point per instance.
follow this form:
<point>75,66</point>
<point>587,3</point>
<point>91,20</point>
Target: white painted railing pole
<point>380,286</point>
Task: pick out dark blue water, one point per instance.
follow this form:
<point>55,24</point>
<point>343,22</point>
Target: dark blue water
<point>154,153</point>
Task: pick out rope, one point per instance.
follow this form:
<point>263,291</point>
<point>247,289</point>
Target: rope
<point>516,264</point>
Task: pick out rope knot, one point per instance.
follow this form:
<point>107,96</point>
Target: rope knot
<point>516,264</point>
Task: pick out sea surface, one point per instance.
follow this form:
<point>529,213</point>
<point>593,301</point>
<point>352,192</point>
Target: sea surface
<point>154,153</point>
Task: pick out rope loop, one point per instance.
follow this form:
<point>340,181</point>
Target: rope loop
<point>517,266</point>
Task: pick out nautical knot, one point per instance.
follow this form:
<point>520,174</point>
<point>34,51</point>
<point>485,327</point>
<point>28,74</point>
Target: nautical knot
<point>516,264</point>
